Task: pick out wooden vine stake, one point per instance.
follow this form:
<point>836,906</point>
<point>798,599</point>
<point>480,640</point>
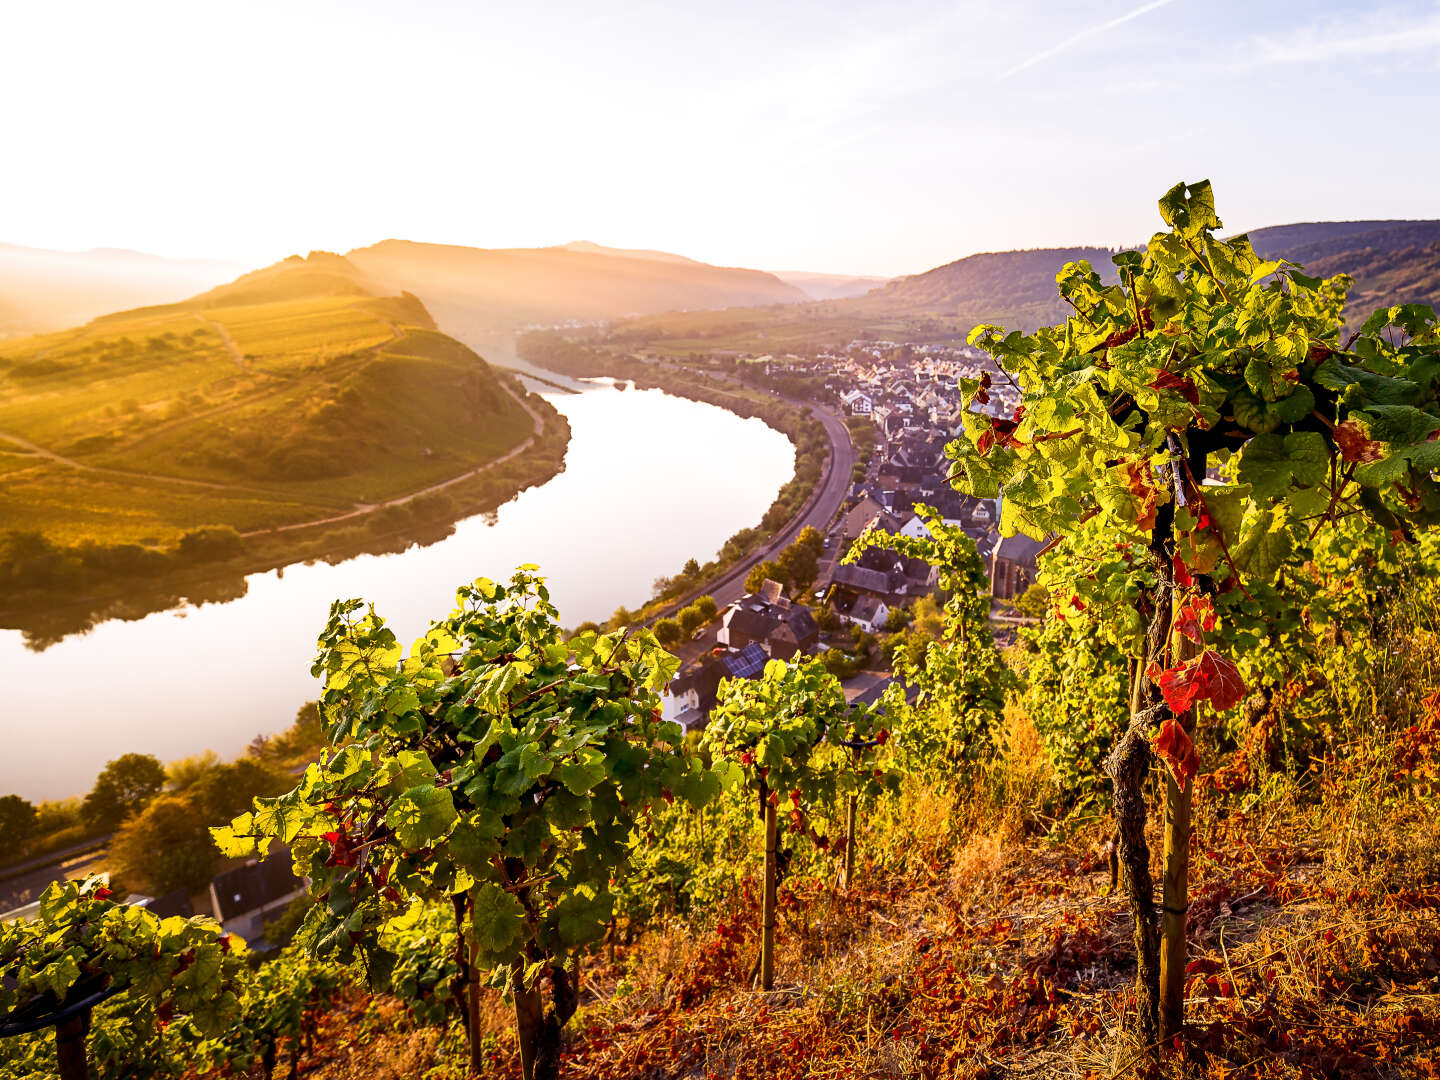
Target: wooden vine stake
<point>1176,882</point>
<point>850,842</point>
<point>767,908</point>
<point>70,1047</point>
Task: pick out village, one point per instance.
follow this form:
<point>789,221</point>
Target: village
<point>910,394</point>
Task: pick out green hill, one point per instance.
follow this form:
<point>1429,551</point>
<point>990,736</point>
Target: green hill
<point>1392,262</point>
<point>292,394</point>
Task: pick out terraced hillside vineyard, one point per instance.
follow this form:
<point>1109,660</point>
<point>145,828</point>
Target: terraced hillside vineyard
<point>295,395</point>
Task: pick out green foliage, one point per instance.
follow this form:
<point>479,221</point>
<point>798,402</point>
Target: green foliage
<point>667,631</point>
<point>960,680</point>
<point>123,788</point>
<point>791,734</point>
<point>168,845</point>
<point>496,763</point>
<point>18,818</point>
<point>178,976</point>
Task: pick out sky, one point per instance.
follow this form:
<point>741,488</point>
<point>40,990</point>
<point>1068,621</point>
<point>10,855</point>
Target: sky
<point>846,137</point>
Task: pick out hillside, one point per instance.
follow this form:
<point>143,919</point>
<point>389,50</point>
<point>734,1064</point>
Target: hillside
<point>1015,288</point>
<point>48,290</point>
<point>1392,262</point>
<point>290,394</point>
<point>472,291</point>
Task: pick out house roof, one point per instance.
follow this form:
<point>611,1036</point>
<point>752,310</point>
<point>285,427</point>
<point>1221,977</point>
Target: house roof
<point>865,608</point>
<point>747,663</point>
<point>862,579</point>
<point>249,888</point>
<point>744,619</point>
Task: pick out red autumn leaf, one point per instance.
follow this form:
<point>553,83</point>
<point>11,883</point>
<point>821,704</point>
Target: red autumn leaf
<point>1224,685</point>
<point>1355,445</point>
<point>982,396</point>
<point>1182,573</point>
<point>985,442</point>
<point>1195,615</point>
<point>1077,603</point>
<point>984,380</point>
<point>1005,432</point>
<point>1177,751</point>
<point>1120,337</point>
<point>1210,676</point>
<point>882,737</point>
<point>103,893</point>
<point>1138,481</point>
<point>1319,353</point>
<point>1020,415</point>
<point>1180,384</point>
<point>1178,685</point>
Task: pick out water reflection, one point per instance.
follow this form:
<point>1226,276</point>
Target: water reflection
<point>650,481</point>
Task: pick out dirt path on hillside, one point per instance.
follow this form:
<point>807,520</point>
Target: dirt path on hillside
<point>226,340</point>
<point>537,427</point>
<point>130,474</point>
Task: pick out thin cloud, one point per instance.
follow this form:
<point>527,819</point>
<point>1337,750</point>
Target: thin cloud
<point>1088,32</point>
<point>1381,33</point>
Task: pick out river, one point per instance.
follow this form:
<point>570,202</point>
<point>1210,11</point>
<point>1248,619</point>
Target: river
<point>650,480</point>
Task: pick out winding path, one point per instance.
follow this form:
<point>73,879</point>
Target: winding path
<point>537,423</point>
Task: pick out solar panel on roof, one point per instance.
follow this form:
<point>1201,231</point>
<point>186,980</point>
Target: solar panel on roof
<point>747,663</point>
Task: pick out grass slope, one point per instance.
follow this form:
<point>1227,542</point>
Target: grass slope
<point>292,393</point>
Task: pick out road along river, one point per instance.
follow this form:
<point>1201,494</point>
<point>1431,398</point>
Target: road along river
<point>650,480</point>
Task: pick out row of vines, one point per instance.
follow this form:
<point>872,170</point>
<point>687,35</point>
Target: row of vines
<point>1236,501</point>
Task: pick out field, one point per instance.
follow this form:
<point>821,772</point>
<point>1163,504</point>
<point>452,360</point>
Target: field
<point>292,394</point>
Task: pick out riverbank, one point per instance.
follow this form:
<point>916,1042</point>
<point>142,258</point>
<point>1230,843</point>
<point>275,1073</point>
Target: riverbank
<point>824,459</point>
<point>68,596</point>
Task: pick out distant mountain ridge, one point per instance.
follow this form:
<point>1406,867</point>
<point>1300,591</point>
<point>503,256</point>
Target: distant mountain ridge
<point>1014,288</point>
<point>1392,262</point>
<point>474,291</point>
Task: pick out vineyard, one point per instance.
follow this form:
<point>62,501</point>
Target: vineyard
<point>1185,826</point>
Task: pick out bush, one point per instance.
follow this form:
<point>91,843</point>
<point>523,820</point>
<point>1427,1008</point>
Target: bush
<point>667,632</point>
<point>210,542</point>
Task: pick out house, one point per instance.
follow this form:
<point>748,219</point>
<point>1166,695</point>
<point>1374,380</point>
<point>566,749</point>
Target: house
<point>770,621</point>
<point>1012,566</point>
<point>695,691</point>
<point>857,402</point>
<point>859,609</point>
<point>248,897</point>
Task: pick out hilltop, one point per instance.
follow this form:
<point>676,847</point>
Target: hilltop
<point>1392,262</point>
<point>294,394</point>
<point>478,290</point>
<point>44,290</point>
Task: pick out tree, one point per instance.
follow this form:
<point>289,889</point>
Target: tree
<point>667,632</point>
<point>1202,355</point>
<point>167,845</point>
<point>691,569</point>
<point>122,789</point>
<point>690,619</point>
<point>760,573</point>
<point>707,607</point>
<point>812,540</point>
<point>497,770</point>
<point>1034,601</point>
<point>799,564</point>
<point>17,822</point>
